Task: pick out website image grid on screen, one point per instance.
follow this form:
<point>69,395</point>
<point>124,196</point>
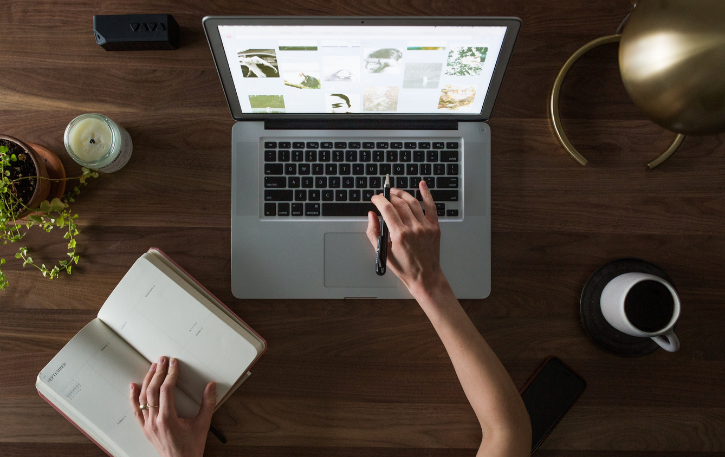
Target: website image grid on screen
<point>369,70</point>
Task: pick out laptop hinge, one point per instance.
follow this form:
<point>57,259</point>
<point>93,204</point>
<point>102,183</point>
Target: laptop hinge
<point>358,124</point>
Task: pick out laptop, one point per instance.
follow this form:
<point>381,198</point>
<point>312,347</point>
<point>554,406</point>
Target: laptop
<point>325,108</point>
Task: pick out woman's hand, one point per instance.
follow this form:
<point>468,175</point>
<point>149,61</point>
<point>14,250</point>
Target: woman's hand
<point>171,435</point>
<point>415,237</point>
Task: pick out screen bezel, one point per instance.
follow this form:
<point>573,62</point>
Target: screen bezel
<point>211,28</point>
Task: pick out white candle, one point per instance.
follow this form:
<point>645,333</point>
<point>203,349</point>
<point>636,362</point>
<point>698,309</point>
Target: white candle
<point>90,139</point>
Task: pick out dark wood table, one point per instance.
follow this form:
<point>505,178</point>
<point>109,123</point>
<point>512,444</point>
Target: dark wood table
<point>371,378</point>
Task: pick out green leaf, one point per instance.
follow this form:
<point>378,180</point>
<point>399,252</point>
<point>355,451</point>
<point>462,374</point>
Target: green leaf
<point>2,261</point>
<point>57,205</point>
<point>14,158</point>
<point>45,207</point>
<point>36,218</point>
<point>68,268</point>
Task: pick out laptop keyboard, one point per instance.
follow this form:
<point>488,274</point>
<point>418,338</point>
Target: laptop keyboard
<point>338,178</point>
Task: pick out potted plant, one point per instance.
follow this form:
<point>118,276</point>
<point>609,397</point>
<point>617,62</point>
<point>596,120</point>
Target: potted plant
<point>32,184</point>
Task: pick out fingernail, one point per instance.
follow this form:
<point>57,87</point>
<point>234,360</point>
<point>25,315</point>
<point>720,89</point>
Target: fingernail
<point>162,360</point>
<point>172,362</point>
<point>213,387</point>
<point>131,386</point>
<point>424,184</point>
<point>153,367</point>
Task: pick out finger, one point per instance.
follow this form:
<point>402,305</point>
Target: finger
<point>135,392</point>
<point>430,207</point>
<point>208,403</point>
<point>142,400</point>
<point>373,231</point>
<point>167,407</point>
<point>152,392</point>
<point>406,215</point>
<point>412,203</point>
<point>392,220</point>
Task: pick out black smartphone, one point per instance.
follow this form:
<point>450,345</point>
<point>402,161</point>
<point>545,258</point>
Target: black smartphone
<point>548,395</point>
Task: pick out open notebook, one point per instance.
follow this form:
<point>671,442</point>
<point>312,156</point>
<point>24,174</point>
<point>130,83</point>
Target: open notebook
<point>157,309</point>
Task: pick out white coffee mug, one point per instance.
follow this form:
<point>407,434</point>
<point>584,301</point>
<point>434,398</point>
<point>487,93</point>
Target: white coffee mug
<point>613,309</point>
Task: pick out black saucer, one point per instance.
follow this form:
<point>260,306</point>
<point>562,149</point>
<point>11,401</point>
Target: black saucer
<point>604,335</point>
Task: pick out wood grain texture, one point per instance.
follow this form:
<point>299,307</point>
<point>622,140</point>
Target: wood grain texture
<point>366,377</point>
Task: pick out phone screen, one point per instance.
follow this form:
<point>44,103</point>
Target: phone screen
<point>548,396</point>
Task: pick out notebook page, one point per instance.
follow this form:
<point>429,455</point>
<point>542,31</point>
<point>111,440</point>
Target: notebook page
<point>89,379</point>
<point>156,315</point>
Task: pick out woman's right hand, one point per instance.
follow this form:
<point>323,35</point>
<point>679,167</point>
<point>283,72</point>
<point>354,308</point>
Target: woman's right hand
<point>414,248</point>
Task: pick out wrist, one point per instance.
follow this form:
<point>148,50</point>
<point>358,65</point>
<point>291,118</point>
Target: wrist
<point>428,287</point>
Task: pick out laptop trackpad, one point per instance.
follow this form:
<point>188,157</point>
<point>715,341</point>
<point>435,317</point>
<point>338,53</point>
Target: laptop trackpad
<point>350,262</point>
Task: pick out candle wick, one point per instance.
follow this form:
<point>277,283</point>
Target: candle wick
<point>93,141</point>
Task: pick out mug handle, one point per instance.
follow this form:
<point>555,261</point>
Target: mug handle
<point>667,341</point>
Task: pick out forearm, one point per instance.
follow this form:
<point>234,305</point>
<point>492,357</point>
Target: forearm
<point>488,387</point>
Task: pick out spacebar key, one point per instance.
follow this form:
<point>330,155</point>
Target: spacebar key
<point>348,209</point>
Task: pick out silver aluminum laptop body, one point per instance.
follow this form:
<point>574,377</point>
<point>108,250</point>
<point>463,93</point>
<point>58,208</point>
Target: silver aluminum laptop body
<point>330,257</point>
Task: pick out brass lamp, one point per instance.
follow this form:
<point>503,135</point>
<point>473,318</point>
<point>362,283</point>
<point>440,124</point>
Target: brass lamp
<point>672,62</point>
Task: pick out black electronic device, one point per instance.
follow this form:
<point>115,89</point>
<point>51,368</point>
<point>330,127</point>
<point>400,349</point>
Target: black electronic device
<point>136,32</point>
<point>548,395</point>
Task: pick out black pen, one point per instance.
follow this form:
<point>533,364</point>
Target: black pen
<point>381,255</point>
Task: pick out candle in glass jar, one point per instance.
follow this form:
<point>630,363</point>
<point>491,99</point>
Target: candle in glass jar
<point>96,142</point>
<point>90,139</point>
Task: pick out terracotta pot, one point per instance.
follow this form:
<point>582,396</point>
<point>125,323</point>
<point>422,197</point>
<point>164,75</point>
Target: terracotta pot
<point>42,186</point>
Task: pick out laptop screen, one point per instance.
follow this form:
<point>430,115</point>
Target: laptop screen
<point>374,69</point>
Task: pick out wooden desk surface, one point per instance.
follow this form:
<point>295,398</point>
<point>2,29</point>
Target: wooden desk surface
<point>371,378</point>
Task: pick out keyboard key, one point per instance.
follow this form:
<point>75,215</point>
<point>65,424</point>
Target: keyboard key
<point>300,195</point>
<point>324,155</point>
<point>297,209</point>
<point>368,144</point>
<point>411,169</point>
<point>344,168</point>
<point>425,169</point>
<point>405,156</point>
<point>312,145</point>
<point>308,182</point>
<point>414,181</point>
<point>275,182</point>
<point>304,169</point>
<point>401,183</point>
<point>398,169</point>
<point>331,169</point>
<point>318,169</point>
<point>312,209</point>
<point>278,195</point>
<point>432,156</point>
<point>367,194</point>
<point>423,145</point>
<point>311,156</point>
<point>449,156</point>
<point>396,145</point>
<point>273,169</point>
<point>270,144</point>
<point>270,209</point>
<point>351,156</point>
<point>290,168</point>
<point>381,145</point>
<point>340,195</point>
<point>334,182</point>
<point>430,180</point>
<point>270,156</point>
<point>376,182</point>
<point>353,145</point>
<point>348,209</point>
<point>298,155</point>
<point>340,145</point>
<point>438,145</point>
<point>293,182</point>
<point>320,182</point>
<point>371,169</point>
<point>452,212</point>
<point>361,182</point>
<point>358,169</point>
<point>282,209</point>
<point>439,169</point>
<point>440,213</point>
<point>385,169</point>
<point>298,144</point>
<point>326,145</point>
<point>410,145</point>
<point>348,182</point>
<point>283,155</point>
<point>418,156</point>
<point>338,156</point>
<point>365,155</point>
<point>392,156</point>
<point>378,156</point>
<point>445,195</point>
<point>313,195</point>
<point>440,206</point>
<point>447,183</point>
<point>328,195</point>
<point>452,145</point>
<point>452,168</point>
<point>285,145</point>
